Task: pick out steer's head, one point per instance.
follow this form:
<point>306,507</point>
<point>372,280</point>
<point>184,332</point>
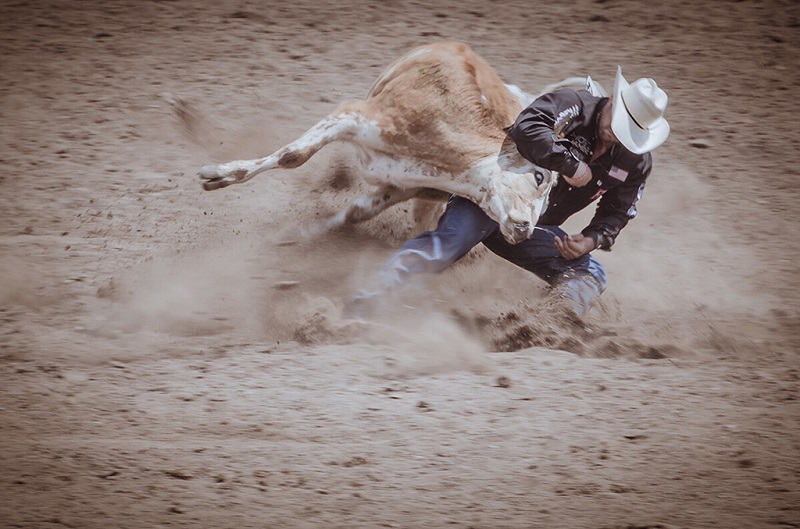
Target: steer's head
<point>518,199</point>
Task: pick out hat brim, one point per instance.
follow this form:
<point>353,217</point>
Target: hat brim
<point>630,135</point>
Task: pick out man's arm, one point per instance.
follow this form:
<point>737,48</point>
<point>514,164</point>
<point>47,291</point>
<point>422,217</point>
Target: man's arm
<point>617,207</point>
<point>536,130</point>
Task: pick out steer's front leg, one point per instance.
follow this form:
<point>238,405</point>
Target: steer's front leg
<point>343,124</point>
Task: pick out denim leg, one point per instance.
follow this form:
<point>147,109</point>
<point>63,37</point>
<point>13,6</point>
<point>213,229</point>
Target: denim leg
<point>462,225</point>
<point>579,281</point>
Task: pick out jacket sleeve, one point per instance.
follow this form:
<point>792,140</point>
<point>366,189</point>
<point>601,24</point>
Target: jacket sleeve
<point>535,131</point>
<point>618,206</point>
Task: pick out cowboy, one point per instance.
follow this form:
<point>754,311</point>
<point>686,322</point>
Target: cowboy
<point>600,147</point>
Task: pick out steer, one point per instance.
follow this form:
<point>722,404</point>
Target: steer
<point>435,119</point>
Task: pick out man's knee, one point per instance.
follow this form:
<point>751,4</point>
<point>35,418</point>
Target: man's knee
<point>579,293</point>
<point>598,272</point>
<point>580,289</point>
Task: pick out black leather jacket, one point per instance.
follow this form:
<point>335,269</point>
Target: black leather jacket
<point>557,131</point>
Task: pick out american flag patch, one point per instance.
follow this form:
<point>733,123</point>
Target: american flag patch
<point>617,173</point>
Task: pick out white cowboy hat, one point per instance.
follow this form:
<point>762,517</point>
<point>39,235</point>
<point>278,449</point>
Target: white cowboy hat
<point>637,114</point>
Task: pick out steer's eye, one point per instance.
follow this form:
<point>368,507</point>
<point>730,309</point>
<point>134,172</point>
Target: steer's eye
<point>539,176</point>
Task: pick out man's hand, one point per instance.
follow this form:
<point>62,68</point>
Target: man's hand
<point>574,246</point>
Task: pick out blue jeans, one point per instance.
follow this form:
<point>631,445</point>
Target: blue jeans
<point>463,225</point>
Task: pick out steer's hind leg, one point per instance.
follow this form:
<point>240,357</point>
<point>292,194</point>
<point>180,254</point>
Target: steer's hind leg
<point>345,123</point>
<point>390,173</point>
<point>367,206</point>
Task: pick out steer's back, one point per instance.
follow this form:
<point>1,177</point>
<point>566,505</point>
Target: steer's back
<point>443,104</point>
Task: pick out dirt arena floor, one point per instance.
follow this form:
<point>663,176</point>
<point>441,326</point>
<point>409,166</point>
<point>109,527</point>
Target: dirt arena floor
<point>159,367</point>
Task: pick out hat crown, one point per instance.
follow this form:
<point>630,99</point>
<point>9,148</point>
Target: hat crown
<point>645,102</point>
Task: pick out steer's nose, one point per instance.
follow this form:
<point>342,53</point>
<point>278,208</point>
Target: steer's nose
<point>521,230</point>
<point>522,226</point>
<point>516,232</point>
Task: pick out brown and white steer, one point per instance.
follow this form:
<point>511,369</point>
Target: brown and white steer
<point>434,119</point>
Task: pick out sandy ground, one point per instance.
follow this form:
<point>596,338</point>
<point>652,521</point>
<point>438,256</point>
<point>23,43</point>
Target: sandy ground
<point>151,374</point>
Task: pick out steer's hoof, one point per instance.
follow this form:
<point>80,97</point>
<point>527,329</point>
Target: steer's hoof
<point>213,178</point>
<point>217,183</point>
